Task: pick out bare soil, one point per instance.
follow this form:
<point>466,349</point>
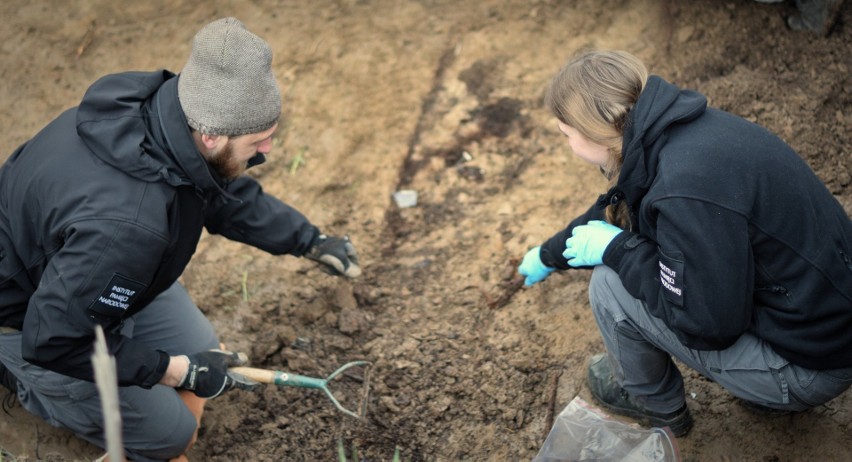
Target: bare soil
<point>444,98</point>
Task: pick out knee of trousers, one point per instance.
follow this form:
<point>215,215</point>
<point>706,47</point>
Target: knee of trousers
<point>602,289</point>
<point>165,445</point>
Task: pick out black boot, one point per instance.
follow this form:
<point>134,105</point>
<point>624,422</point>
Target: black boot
<point>818,16</point>
<point>614,398</point>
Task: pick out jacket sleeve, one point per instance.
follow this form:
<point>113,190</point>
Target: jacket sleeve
<point>551,250</point>
<point>99,273</point>
<point>260,220</point>
<point>697,276</point>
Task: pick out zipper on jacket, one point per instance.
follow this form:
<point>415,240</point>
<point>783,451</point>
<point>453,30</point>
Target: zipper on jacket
<point>775,289</point>
<point>782,294</point>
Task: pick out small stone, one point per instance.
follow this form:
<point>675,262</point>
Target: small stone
<point>685,33</point>
<point>405,198</point>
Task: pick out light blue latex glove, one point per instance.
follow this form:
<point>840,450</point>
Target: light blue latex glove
<point>533,268</point>
<point>587,243</point>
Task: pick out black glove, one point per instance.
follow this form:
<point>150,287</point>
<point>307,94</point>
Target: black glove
<point>337,254</point>
<point>208,375</point>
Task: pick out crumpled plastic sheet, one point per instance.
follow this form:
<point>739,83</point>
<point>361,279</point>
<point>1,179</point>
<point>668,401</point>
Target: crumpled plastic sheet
<point>582,432</point>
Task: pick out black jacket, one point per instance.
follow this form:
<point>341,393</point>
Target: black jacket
<point>102,210</point>
<point>732,233</point>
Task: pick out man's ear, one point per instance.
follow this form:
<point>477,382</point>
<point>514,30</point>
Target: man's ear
<point>210,141</point>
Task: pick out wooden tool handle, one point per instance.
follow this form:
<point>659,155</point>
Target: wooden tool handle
<point>258,375</point>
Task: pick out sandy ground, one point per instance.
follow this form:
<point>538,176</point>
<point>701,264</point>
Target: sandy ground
<point>443,98</point>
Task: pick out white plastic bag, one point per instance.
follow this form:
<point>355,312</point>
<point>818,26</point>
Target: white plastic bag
<point>583,432</point>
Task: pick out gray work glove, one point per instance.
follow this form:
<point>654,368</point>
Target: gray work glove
<point>337,254</point>
<point>208,375</point>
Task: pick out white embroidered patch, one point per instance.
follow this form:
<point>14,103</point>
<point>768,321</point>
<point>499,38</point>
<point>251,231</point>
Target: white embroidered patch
<point>668,277</point>
<point>117,296</point>
<point>671,276</point>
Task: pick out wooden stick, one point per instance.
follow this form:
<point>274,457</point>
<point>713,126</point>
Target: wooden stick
<point>107,383</point>
<point>551,402</point>
<point>258,375</point>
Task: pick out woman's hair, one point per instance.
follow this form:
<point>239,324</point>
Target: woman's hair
<point>593,93</point>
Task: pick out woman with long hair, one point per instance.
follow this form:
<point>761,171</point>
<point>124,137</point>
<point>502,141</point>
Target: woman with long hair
<point>715,244</point>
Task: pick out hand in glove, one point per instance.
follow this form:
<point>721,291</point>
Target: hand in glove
<point>533,268</point>
<point>208,375</point>
<point>587,244</point>
<point>337,254</point>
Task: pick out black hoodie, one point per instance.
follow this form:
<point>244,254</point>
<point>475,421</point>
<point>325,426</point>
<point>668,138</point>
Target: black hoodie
<point>102,210</point>
<point>732,233</point>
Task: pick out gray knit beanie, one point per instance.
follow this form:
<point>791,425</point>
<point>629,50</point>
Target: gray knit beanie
<point>227,86</point>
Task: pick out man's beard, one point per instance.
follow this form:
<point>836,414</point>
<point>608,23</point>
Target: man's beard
<point>225,165</point>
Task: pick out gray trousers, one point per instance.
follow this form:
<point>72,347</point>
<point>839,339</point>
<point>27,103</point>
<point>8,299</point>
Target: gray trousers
<point>641,347</point>
<point>156,423</point>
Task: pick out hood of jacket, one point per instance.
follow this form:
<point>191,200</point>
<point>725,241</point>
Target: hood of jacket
<point>660,106</point>
<point>134,122</point>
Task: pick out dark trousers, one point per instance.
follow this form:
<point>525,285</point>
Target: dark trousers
<point>641,347</point>
<point>156,423</point>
